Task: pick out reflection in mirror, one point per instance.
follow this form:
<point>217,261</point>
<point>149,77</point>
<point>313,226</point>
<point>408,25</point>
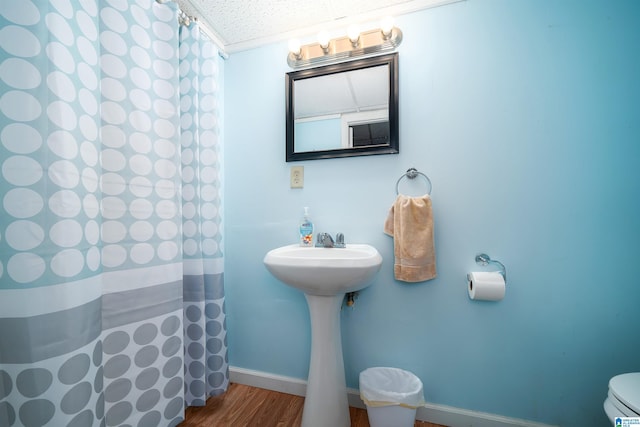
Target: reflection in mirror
<point>342,110</point>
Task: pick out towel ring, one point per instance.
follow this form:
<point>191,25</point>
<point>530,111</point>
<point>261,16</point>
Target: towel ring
<point>412,173</point>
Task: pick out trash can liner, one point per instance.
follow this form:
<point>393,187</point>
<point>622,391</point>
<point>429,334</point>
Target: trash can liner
<point>391,386</point>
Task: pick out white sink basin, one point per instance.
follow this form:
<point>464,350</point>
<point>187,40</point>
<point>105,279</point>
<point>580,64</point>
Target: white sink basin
<point>324,271</point>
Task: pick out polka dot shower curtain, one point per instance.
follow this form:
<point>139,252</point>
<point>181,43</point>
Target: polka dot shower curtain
<point>206,372</point>
<point>111,272</point>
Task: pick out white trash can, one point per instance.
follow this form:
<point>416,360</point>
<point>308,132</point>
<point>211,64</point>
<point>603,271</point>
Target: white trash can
<point>392,396</point>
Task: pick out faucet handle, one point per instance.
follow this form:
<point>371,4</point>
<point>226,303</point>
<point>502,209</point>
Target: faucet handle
<point>340,240</point>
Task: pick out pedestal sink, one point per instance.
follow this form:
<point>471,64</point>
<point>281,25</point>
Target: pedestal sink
<point>325,275</point>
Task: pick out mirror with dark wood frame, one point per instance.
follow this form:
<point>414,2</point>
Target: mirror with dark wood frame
<point>343,110</point>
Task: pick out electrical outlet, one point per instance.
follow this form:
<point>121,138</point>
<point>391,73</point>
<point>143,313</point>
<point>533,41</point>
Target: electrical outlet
<point>297,176</point>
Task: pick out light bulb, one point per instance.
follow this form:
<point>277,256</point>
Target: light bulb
<point>354,34</point>
<point>294,46</point>
<point>323,40</point>
<point>386,26</point>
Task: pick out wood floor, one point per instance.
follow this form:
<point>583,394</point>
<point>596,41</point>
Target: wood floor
<point>244,406</point>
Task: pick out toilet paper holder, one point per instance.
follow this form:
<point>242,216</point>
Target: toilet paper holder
<point>484,259</point>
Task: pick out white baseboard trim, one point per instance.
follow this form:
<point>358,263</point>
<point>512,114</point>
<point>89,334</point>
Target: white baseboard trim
<point>433,413</point>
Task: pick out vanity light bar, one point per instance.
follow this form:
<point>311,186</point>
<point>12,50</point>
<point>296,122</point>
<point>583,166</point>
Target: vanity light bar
<point>344,48</point>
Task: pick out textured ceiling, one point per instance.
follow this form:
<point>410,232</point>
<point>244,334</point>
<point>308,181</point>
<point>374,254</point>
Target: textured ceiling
<point>244,24</point>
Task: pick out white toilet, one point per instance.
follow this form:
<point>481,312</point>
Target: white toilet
<point>623,399</point>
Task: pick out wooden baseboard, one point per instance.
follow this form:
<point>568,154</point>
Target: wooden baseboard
<point>433,413</point>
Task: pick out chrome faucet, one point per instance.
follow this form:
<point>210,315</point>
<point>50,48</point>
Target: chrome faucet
<point>324,240</point>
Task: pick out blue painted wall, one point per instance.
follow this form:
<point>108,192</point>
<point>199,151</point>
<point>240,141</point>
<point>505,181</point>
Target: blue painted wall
<point>525,116</point>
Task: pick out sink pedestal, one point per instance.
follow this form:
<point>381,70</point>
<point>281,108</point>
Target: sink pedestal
<point>326,403</point>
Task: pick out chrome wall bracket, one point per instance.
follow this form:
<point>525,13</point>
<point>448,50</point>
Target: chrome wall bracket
<point>484,260</point>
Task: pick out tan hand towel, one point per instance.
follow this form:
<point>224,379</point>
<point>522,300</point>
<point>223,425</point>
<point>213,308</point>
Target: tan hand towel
<point>410,223</point>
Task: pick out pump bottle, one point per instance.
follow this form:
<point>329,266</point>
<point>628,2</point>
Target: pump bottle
<point>306,229</point>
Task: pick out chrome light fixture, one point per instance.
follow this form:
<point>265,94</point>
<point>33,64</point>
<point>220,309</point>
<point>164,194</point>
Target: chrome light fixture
<point>354,44</point>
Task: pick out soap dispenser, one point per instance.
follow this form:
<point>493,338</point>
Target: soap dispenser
<point>306,229</point>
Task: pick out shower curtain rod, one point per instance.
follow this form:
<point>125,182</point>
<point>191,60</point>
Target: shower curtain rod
<point>184,19</point>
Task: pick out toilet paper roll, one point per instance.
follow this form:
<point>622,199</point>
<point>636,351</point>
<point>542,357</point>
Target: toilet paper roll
<point>485,285</point>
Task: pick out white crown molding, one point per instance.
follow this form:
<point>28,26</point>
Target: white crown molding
<point>367,20</point>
